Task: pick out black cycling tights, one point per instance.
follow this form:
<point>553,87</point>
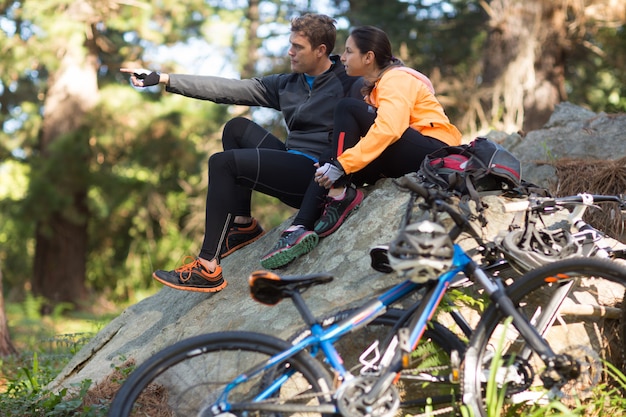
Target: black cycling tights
<point>254,159</point>
<point>353,118</point>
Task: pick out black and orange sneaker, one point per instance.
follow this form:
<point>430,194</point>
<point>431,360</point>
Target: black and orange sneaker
<point>336,211</point>
<point>240,236</point>
<point>192,277</point>
<point>291,245</point>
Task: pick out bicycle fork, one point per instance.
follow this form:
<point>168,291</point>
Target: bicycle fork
<point>396,356</point>
<point>559,367</point>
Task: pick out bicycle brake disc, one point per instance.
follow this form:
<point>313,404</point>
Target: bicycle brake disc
<point>352,399</point>
<point>590,373</point>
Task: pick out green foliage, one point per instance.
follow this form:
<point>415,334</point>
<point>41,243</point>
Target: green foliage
<point>45,346</point>
<point>26,376</point>
<point>596,76</point>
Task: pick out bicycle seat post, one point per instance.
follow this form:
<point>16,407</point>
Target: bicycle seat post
<point>301,306</point>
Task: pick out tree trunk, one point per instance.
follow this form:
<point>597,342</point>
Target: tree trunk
<point>523,62</point>
<point>253,41</point>
<point>61,237</point>
<point>6,347</point>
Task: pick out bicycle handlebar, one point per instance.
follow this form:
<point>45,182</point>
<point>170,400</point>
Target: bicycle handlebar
<point>436,199</point>
<point>550,204</point>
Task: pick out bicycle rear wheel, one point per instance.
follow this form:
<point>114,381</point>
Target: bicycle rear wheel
<point>189,377</point>
<point>501,372</point>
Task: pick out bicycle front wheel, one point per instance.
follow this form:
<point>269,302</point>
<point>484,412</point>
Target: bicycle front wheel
<point>189,377</point>
<point>576,305</point>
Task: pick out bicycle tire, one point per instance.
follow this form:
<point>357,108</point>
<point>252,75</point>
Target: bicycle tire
<point>528,293</point>
<point>168,383</point>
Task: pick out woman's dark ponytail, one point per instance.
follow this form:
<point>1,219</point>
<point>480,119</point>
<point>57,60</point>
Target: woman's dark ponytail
<point>371,38</point>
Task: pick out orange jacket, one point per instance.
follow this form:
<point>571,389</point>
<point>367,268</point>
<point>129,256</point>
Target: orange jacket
<point>404,98</point>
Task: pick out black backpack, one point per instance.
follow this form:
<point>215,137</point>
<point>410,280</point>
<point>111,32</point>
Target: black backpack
<point>479,167</point>
<point>482,165</point>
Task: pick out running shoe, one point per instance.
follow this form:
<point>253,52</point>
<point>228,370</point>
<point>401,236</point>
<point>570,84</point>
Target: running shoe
<point>290,246</point>
<point>192,277</point>
<point>240,236</point>
<point>336,211</point>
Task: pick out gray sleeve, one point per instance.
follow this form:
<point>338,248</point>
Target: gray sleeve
<point>249,92</point>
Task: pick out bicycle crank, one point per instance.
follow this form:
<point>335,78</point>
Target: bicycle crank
<point>352,399</point>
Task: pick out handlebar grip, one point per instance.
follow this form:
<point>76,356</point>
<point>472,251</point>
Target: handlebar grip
<point>414,186</point>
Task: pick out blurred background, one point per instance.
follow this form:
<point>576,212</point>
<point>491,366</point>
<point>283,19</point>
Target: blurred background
<point>101,183</point>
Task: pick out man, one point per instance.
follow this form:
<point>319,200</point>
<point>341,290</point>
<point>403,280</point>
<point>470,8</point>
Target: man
<point>254,159</point>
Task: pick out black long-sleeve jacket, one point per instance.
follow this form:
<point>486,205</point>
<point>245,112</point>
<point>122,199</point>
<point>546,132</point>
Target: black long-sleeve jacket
<point>308,112</point>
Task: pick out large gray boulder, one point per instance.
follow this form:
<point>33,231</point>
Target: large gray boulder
<point>171,315</point>
<point>572,132</point>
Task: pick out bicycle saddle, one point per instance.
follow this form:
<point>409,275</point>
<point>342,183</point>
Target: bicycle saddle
<point>269,288</point>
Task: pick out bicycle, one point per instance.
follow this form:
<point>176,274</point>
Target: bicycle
<point>269,385</point>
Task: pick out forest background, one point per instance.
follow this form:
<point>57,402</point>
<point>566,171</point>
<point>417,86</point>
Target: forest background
<point>101,183</point>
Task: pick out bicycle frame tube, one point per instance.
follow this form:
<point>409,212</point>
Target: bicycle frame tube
<point>545,317</point>
<point>459,261</point>
<point>498,296</point>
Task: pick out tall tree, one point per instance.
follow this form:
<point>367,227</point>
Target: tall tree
<point>58,57</point>
<point>6,346</point>
<point>61,237</point>
<point>528,48</point>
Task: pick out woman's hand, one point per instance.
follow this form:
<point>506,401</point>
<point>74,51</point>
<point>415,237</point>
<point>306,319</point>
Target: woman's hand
<point>327,174</point>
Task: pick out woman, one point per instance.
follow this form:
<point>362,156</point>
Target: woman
<point>386,135</point>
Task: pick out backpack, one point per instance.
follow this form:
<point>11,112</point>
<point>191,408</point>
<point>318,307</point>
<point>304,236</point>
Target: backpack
<point>467,170</point>
<point>482,165</point>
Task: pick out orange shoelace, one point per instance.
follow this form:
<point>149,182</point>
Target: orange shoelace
<point>186,270</point>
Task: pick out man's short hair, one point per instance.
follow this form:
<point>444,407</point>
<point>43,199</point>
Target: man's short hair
<point>319,29</point>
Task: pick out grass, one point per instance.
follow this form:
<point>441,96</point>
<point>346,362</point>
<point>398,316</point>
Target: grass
<point>45,344</point>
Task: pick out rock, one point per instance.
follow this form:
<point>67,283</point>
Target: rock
<point>171,315</point>
<point>572,132</point>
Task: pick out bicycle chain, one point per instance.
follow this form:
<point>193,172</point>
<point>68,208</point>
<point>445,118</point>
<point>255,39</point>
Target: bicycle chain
<point>426,370</point>
<point>435,412</point>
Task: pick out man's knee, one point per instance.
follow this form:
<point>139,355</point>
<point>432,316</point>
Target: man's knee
<point>233,131</point>
<point>221,162</point>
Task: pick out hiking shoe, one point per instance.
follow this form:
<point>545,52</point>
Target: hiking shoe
<point>336,211</point>
<point>192,277</point>
<point>240,236</point>
<point>290,246</point>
